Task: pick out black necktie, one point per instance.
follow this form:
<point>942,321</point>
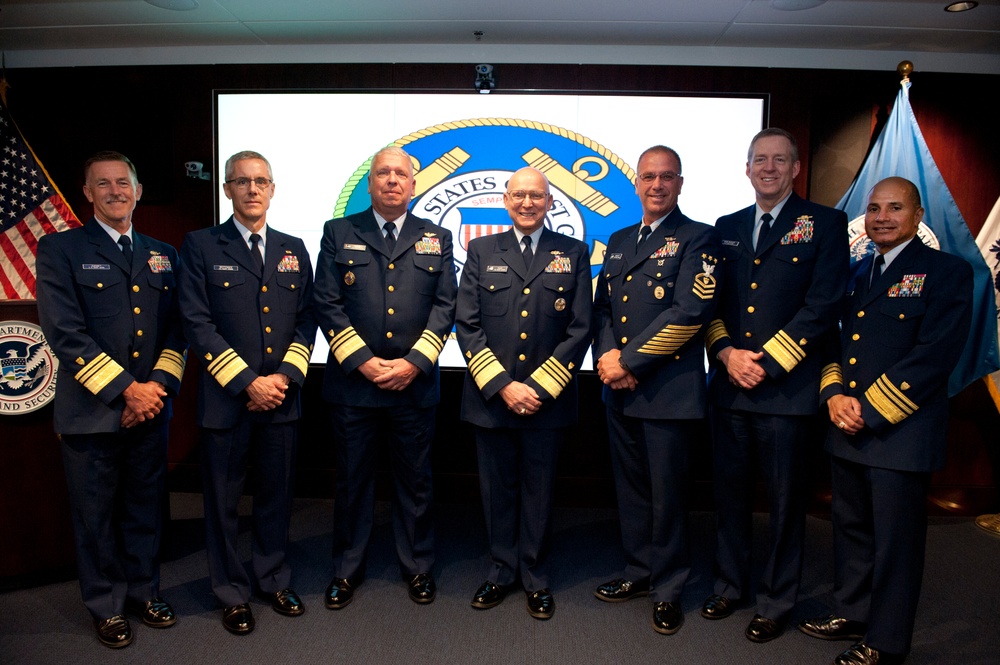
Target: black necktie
<point>644,232</point>
<point>526,253</point>
<point>390,235</point>
<point>126,244</point>
<point>877,269</point>
<point>765,226</point>
<point>258,258</point>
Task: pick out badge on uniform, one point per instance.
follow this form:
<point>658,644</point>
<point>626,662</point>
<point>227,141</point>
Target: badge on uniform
<point>496,268</point>
<point>802,232</point>
<point>429,244</point>
<point>659,292</point>
<point>159,263</point>
<point>96,266</point>
<point>348,278</point>
<point>560,264</point>
<point>617,256</point>
<point>560,304</point>
<point>356,248</point>
<point>908,287</point>
<point>289,263</point>
<point>704,282</point>
<point>225,268</point>
<point>669,250</point>
<point>730,243</point>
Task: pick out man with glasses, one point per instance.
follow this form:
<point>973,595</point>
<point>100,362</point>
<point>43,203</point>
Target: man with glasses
<point>246,299</point>
<point>655,296</point>
<point>385,300</point>
<point>523,324</point>
<point>107,305</point>
<point>785,263</point>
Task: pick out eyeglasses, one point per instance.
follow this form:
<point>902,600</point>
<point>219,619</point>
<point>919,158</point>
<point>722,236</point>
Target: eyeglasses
<point>244,183</point>
<point>666,176</point>
<point>520,195</point>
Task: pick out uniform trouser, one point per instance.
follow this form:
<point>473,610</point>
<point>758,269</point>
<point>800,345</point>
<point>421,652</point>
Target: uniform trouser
<point>270,450</point>
<point>879,539</point>
<point>358,434</point>
<point>517,469</point>
<point>650,461</point>
<point>775,447</point>
<point>116,492</point>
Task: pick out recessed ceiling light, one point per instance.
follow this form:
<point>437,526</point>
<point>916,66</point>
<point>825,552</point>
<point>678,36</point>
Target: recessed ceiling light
<point>176,5</point>
<point>795,5</point>
<point>961,6</point>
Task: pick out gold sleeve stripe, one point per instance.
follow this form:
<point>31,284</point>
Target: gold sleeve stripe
<point>669,339</point>
<point>889,400</point>
<point>346,343</point>
<point>298,356</point>
<point>552,376</point>
<point>704,286</point>
<point>716,331</point>
<point>226,366</point>
<point>484,367</point>
<point>783,348</point>
<point>831,375</point>
<point>429,345</point>
<point>98,373</point>
<point>171,362</point>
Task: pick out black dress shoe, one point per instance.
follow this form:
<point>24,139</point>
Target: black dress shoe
<point>620,590</point>
<point>717,607</point>
<point>287,602</point>
<point>833,627</point>
<point>862,654</point>
<point>339,594</point>
<point>489,595</point>
<point>541,604</point>
<point>762,629</point>
<point>156,613</point>
<point>667,618</point>
<point>114,632</point>
<point>422,589</point>
<point>238,619</point>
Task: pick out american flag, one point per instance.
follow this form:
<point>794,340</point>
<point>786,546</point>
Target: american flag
<point>30,207</point>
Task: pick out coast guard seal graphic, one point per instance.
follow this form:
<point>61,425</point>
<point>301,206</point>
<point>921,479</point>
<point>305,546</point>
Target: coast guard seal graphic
<point>27,368</point>
<point>861,246</point>
<point>462,167</point>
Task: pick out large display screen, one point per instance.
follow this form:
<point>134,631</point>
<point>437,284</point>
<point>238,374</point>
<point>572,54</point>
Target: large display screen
<point>465,146</point>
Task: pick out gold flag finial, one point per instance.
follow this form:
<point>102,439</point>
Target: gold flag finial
<point>905,68</point>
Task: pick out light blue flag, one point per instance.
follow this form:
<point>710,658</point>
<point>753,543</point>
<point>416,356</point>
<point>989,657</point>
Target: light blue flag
<point>901,151</point>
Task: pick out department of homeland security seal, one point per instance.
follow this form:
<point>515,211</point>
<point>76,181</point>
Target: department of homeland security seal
<point>861,246</point>
<point>462,169</point>
<point>27,368</point>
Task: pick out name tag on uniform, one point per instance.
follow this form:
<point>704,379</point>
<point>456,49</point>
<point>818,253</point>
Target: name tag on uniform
<point>226,268</point>
<point>730,243</point>
<point>289,263</point>
<point>357,248</point>
<point>496,268</point>
<point>617,256</point>
<point>96,266</point>
<point>160,263</point>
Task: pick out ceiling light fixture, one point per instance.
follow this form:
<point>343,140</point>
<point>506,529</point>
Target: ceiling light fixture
<point>961,6</point>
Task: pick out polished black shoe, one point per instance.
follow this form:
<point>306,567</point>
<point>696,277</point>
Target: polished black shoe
<point>833,627</point>
<point>238,619</point>
<point>541,604</point>
<point>667,618</point>
<point>287,602</point>
<point>114,632</point>
<point>620,590</point>
<point>156,613</point>
<point>339,594</point>
<point>422,589</point>
<point>862,654</point>
<point>489,595</point>
<point>717,607</point>
<point>762,629</point>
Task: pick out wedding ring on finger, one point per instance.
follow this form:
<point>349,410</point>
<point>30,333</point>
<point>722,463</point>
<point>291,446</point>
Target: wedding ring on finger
<point>841,424</point>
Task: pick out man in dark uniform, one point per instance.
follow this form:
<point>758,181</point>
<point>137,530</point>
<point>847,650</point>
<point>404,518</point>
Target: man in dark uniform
<point>655,297</point>
<point>108,307</point>
<point>784,269</point>
<point>385,301</point>
<point>246,298</point>
<point>523,324</point>
<point>905,323</point>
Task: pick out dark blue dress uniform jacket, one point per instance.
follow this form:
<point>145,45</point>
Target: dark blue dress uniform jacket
<point>531,326</point>
<point>654,305</point>
<point>369,304</point>
<point>108,326</point>
<point>241,327</point>
<point>782,299</point>
<point>899,342</point>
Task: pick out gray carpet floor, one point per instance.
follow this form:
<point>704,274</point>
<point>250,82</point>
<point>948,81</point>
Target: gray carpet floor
<point>958,621</point>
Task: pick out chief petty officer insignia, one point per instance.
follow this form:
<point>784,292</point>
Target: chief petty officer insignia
<point>802,232</point>
<point>159,263</point>
<point>429,244</point>
<point>704,282</point>
<point>289,263</point>
<point>909,287</point>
